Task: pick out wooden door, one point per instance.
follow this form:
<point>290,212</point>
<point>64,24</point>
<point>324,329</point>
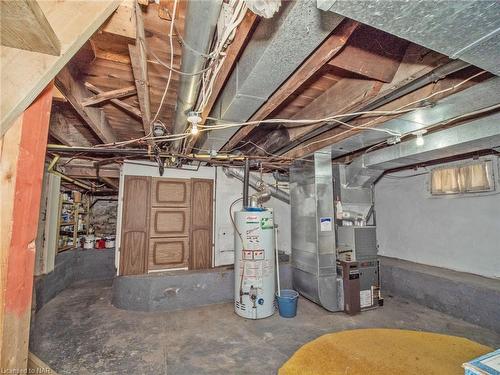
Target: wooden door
<point>135,225</point>
<point>200,255</point>
<point>170,223</point>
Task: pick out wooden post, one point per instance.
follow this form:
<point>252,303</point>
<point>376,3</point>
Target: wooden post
<point>22,151</point>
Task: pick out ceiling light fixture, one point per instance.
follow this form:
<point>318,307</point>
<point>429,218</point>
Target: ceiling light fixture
<point>194,119</point>
<point>420,136</point>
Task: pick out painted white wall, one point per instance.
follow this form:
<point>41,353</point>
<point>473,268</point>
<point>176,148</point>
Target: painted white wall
<point>456,232</point>
<point>226,191</point>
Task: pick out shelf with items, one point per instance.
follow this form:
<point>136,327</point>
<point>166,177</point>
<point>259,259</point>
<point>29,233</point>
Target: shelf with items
<point>73,220</point>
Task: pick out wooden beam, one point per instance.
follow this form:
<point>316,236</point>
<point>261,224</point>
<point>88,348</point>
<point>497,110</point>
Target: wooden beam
<point>138,59</point>
<point>371,53</point>
<point>21,172</point>
<point>76,92</point>
<point>122,22</point>
<point>108,95</point>
<point>127,107</point>
<point>65,132</point>
<point>342,97</point>
<point>25,74</point>
<point>25,26</point>
<point>79,171</point>
<point>417,62</point>
<point>330,47</point>
<point>243,34</point>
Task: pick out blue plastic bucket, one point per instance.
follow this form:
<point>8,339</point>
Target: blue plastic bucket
<point>287,303</point>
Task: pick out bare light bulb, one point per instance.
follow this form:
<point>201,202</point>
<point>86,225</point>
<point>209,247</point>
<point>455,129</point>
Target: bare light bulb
<point>420,137</point>
<point>194,129</point>
<point>420,140</point>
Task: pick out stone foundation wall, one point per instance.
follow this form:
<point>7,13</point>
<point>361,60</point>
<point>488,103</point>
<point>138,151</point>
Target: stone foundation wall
<point>103,216</point>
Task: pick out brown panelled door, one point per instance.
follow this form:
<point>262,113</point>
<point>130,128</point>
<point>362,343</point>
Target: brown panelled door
<point>200,255</point>
<point>170,223</point>
<point>135,225</point>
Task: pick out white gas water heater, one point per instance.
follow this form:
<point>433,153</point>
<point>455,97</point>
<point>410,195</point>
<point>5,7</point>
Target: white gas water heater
<point>254,263</point>
<point>254,253</point>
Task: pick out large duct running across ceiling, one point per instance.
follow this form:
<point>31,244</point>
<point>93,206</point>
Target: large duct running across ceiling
<point>466,30</point>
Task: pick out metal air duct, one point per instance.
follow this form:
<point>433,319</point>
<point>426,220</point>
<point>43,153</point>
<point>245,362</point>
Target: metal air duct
<point>476,135</point>
<point>313,233</point>
<point>278,46</point>
<point>468,30</point>
<point>199,29</point>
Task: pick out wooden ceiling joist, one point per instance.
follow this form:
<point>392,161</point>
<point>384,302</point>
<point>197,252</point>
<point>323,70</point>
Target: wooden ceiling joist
<point>138,58</point>
<point>122,22</point>
<point>75,92</point>
<point>332,45</point>
<point>24,26</point>
<point>80,171</point>
<point>243,34</point>
<point>371,53</point>
<point>108,95</point>
<point>414,65</point>
<point>25,73</point>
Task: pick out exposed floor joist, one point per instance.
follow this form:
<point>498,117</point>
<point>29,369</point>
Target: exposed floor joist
<point>139,62</point>
<point>340,132</point>
<point>76,93</point>
<point>316,61</point>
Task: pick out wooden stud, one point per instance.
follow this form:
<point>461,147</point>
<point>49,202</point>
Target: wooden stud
<point>108,95</point>
<point>127,107</point>
<point>21,172</point>
<point>25,26</point>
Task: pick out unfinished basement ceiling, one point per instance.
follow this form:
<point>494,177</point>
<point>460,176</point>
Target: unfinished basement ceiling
<point>104,63</point>
<point>335,64</point>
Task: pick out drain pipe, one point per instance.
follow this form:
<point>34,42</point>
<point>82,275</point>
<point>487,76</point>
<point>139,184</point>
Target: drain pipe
<point>254,182</point>
<point>199,29</point>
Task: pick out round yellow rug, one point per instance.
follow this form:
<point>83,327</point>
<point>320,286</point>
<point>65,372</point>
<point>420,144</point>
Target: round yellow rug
<point>383,351</point>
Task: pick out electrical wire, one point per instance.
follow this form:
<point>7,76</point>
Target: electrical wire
<point>398,109</point>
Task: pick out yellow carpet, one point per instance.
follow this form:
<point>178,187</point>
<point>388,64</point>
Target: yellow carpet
<point>383,351</point>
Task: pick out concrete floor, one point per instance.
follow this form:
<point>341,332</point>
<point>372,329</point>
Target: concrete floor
<point>80,332</point>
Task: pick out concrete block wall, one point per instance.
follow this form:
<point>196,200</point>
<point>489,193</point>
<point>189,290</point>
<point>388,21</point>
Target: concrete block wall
<point>178,290</point>
<point>469,297</point>
<point>71,266</point>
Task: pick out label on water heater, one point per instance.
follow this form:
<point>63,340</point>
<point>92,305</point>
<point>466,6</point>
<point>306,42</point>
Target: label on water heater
<point>325,224</point>
<point>258,254</point>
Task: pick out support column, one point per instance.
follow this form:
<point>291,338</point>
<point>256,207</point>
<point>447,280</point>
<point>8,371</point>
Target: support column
<point>22,154</point>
